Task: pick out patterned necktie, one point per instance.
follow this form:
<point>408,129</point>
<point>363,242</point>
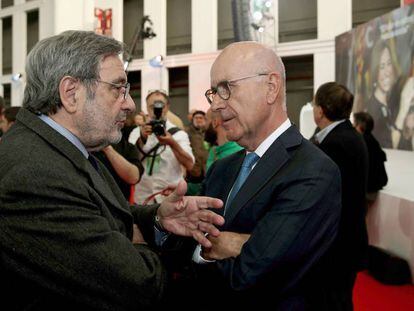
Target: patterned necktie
<point>246,167</point>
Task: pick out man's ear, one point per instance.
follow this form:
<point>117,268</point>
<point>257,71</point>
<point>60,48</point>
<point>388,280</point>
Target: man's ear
<point>274,86</point>
<point>68,87</point>
<point>319,111</point>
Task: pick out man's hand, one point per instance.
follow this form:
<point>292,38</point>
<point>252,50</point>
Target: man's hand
<point>146,130</point>
<point>228,244</point>
<point>188,216</point>
<point>166,139</point>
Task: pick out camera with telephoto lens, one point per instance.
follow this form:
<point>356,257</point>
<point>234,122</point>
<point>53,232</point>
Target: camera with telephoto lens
<point>158,125</point>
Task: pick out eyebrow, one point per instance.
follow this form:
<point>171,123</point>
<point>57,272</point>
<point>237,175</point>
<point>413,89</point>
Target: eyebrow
<point>119,80</point>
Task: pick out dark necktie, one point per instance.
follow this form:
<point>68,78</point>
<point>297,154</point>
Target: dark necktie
<point>93,161</point>
<point>246,167</point>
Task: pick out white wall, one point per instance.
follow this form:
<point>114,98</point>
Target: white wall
<point>390,223</point>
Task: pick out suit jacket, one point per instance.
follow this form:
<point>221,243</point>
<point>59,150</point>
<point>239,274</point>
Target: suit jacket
<point>377,175</point>
<point>346,147</point>
<point>65,229</point>
<point>290,204</point>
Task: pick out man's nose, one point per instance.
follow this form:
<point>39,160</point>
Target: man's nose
<point>129,104</point>
<point>218,103</point>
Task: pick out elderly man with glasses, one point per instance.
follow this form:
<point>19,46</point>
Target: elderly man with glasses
<point>282,195</point>
<point>68,239</point>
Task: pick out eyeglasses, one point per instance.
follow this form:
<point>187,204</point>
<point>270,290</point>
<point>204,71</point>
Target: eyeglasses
<point>223,88</point>
<point>127,87</point>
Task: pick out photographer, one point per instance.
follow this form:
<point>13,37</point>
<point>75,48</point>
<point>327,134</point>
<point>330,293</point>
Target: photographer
<point>164,149</point>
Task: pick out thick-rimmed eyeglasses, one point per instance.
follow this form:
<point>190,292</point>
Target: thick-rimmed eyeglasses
<point>223,88</point>
<point>119,86</point>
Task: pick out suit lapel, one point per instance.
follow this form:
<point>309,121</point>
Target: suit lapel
<point>73,154</point>
<point>267,167</point>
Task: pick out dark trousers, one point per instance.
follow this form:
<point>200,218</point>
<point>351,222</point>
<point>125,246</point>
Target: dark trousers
<point>337,296</point>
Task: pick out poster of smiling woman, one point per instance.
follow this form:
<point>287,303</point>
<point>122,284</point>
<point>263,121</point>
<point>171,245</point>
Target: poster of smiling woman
<point>376,62</point>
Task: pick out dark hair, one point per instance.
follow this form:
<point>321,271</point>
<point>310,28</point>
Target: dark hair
<point>11,113</point>
<point>199,112</point>
<point>377,51</point>
<point>335,100</point>
<point>72,53</point>
<point>365,121</point>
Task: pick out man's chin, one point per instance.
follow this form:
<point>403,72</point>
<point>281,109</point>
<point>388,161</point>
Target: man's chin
<point>231,135</point>
<point>116,139</point>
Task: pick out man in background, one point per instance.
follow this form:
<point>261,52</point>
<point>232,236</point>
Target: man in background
<point>377,175</point>
<point>196,134</point>
<point>9,117</point>
<point>216,136</point>
<point>164,149</point>
<point>345,146</point>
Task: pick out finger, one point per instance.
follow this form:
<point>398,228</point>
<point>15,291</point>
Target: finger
<point>201,238</point>
<point>206,202</point>
<point>209,217</point>
<point>208,228</point>
<point>179,191</point>
<point>178,194</point>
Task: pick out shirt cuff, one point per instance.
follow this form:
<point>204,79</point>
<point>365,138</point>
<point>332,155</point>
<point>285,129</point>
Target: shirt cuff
<point>160,236</point>
<point>197,258</point>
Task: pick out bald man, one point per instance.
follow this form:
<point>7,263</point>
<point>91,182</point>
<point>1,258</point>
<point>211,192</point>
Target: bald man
<point>283,217</point>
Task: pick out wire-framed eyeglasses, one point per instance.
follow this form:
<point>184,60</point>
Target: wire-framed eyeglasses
<point>223,88</point>
<point>119,86</point>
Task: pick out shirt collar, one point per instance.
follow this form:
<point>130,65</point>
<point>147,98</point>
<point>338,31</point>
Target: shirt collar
<point>321,135</point>
<point>260,151</point>
<point>65,133</point>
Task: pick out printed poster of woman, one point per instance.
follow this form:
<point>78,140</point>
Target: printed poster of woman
<point>376,62</point>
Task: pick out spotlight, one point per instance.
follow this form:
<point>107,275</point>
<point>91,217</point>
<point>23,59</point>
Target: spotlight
<point>17,77</point>
<point>257,16</point>
<point>157,61</point>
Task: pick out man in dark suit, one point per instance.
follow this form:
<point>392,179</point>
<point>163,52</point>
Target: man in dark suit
<point>283,217</point>
<point>68,239</point>
<point>377,175</point>
<point>345,146</point>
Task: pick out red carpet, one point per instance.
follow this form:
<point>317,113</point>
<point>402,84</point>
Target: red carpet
<point>371,295</point>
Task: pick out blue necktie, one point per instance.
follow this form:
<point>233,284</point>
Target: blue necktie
<point>246,167</point>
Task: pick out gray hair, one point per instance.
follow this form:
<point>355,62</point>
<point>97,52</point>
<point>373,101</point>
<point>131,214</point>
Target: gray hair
<point>72,53</point>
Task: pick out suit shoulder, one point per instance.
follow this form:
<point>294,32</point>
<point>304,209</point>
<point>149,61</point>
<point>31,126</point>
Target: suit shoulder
<point>312,156</point>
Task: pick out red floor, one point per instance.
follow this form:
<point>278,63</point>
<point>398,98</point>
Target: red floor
<point>370,295</point>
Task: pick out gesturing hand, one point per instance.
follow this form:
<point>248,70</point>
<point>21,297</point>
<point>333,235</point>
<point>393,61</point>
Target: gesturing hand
<point>188,216</point>
<point>228,244</point>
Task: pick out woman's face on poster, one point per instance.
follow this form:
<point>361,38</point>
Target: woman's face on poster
<point>386,71</point>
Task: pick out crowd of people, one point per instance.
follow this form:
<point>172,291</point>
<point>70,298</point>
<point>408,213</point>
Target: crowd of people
<point>95,213</point>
